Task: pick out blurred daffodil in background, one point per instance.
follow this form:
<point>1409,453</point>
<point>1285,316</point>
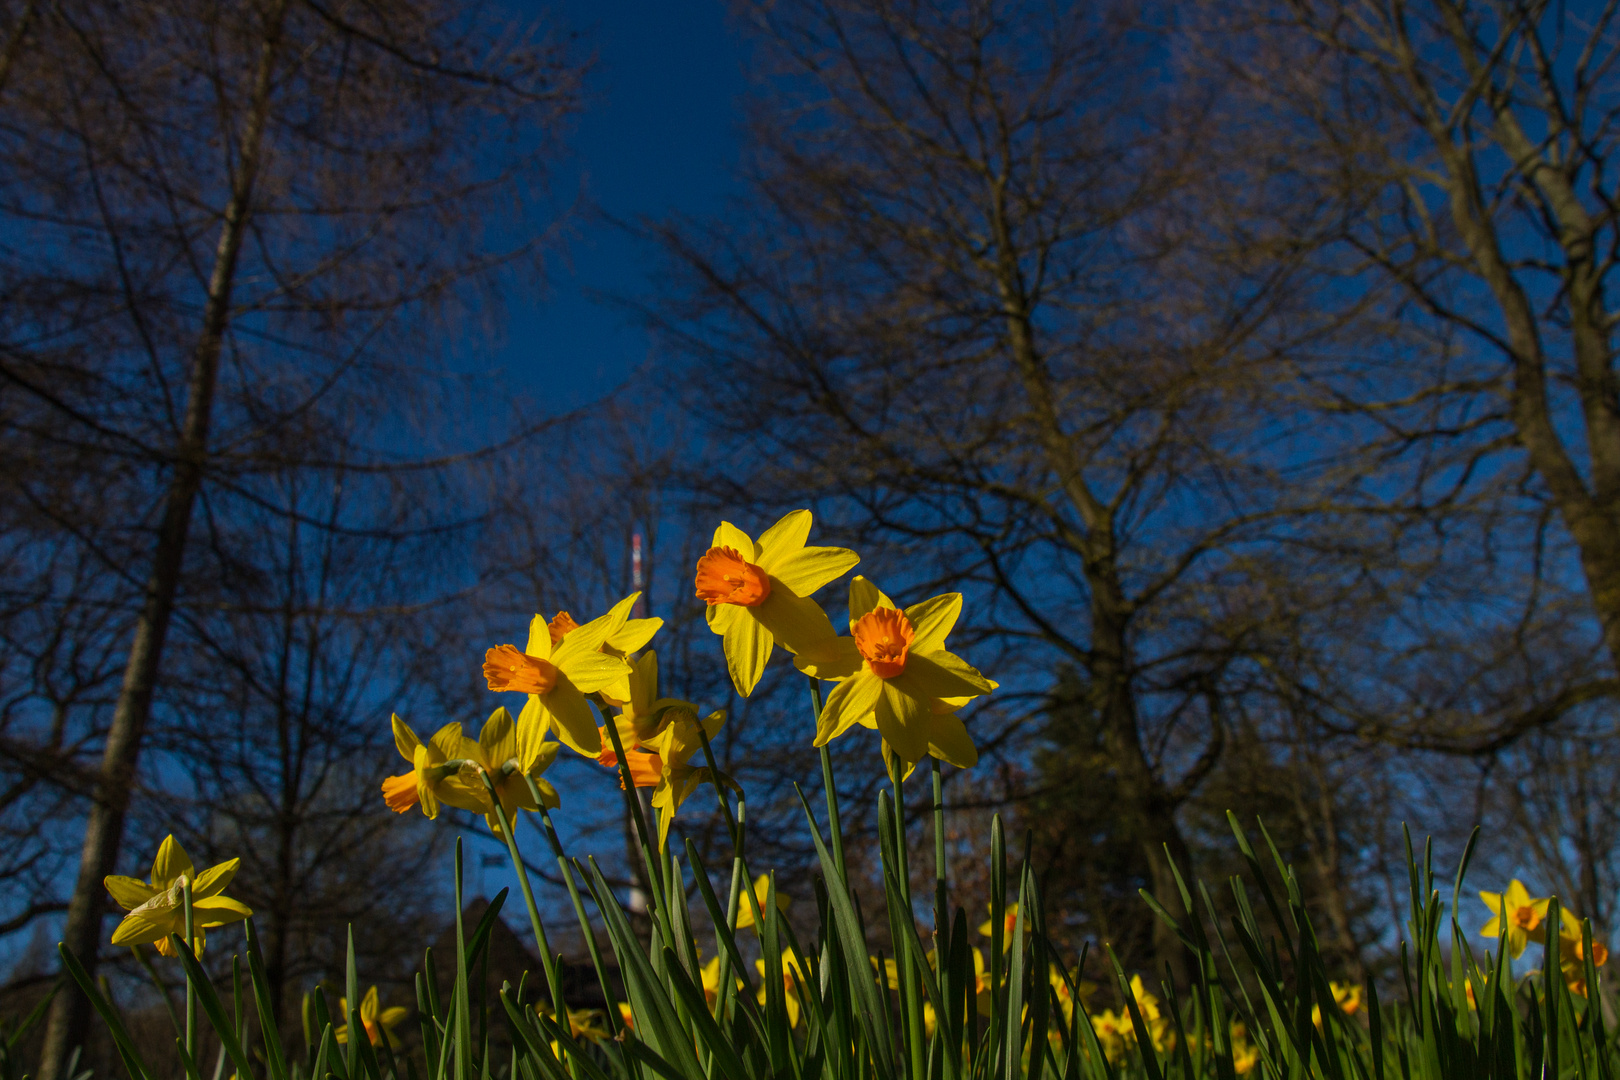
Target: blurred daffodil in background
<point>157,906</point>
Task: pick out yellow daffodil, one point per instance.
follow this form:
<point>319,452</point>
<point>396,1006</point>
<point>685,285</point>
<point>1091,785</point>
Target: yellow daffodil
<point>1346,996</point>
<point>495,754</point>
<point>762,886</point>
<point>758,593</point>
<point>632,635</point>
<point>662,763</point>
<point>379,1023</point>
<point>1572,952</point>
<point>1524,916</point>
<point>1066,996</point>
<point>1116,1031</point>
<point>626,1016</point>
<point>895,674</point>
<point>557,680</point>
<point>1009,925</point>
<point>793,973</point>
<point>1245,1055</point>
<point>589,1025</point>
<point>430,781</point>
<point>642,712</point>
<point>157,907</point>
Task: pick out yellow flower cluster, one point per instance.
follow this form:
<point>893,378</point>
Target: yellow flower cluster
<point>1117,1033</point>
<point>892,673</point>
<point>157,907</point>
<point>1520,919</point>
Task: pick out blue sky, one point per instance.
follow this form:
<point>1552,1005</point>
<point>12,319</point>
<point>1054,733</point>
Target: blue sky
<point>658,134</point>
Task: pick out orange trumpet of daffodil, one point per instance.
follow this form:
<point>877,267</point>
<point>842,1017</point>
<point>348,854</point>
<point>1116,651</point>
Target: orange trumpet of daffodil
<point>157,907</point>
<point>1524,916</point>
<point>379,1023</point>
<point>1572,952</point>
<point>758,593</point>
<point>895,674</point>
<point>557,680</point>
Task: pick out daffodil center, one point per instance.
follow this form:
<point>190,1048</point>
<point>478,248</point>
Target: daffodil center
<point>1526,918</point>
<point>884,638</point>
<point>507,667</point>
<point>725,577</point>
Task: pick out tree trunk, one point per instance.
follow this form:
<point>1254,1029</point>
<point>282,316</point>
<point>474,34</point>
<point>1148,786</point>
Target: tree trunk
<point>69,1017</point>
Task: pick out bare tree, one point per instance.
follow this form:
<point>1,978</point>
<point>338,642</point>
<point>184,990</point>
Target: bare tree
<point>216,215</point>
<point>1011,316</point>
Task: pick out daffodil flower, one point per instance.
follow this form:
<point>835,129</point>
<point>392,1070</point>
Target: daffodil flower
<point>675,744</point>
<point>1524,916</point>
<point>1572,952</point>
<point>432,779</point>
<point>495,755</point>
<point>642,712</point>
<point>762,889</point>
<point>632,635</point>
<point>157,907</point>
<point>1009,924</point>
<point>758,593</point>
<point>379,1023</point>
<point>895,674</point>
<point>557,680</point>
<point>792,975</point>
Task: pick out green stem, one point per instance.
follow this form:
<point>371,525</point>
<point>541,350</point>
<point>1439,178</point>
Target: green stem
<point>547,960</point>
<point>632,804</point>
<point>835,829</point>
<point>941,902</point>
<point>567,869</point>
<point>911,979</point>
<point>191,990</point>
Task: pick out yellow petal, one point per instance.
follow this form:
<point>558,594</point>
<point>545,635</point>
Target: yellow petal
<point>748,649</point>
<point>218,911</point>
<point>590,671</point>
<point>393,1015</point>
<point>571,719</point>
<point>932,620</point>
<point>369,1006</point>
<point>214,879</point>
<point>863,597</point>
<point>145,925</point>
<point>728,535</point>
<point>961,669</point>
<point>530,731</point>
<point>498,739</point>
<point>783,539</point>
<point>1492,928</point>
<point>808,570</point>
<point>539,643</point>
<point>834,658</point>
<point>129,892</point>
<point>594,634</point>
<point>923,678</point>
<point>797,623</point>
<point>171,863</point>
<point>721,616</point>
<point>948,740</point>
<point>849,701</point>
<point>448,741</point>
<point>900,720</point>
<point>405,739</point>
<point>634,634</point>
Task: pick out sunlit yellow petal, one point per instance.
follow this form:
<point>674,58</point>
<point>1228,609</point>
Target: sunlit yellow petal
<point>900,720</point>
<point>849,701</point>
<point>405,739</point>
<point>748,648</point>
<point>783,539</point>
<point>728,535</point>
<point>925,678</point>
<point>448,741</point>
<point>498,738</point>
<point>932,620</point>
<point>634,634</point>
<point>948,740</point>
<point>797,623</point>
<point>863,597</point>
<point>591,671</point>
<point>539,644</point>
<point>572,721</point>
<point>145,925</point>
<point>808,570</point>
<point>834,658</point>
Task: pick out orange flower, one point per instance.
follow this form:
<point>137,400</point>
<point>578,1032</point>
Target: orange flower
<point>725,577</point>
<point>884,637</point>
<point>560,624</point>
<point>507,667</point>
